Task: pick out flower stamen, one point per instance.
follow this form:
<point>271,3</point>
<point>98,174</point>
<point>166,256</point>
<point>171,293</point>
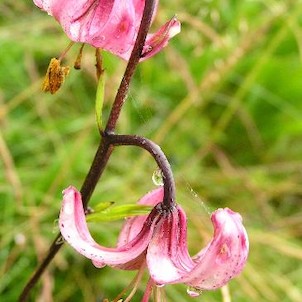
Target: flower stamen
<point>133,284</point>
<point>63,54</point>
<point>148,290</point>
<point>78,61</point>
<point>159,294</point>
<point>55,76</point>
<point>98,63</point>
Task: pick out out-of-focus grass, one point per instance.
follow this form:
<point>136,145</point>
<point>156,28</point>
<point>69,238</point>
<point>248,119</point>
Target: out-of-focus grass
<point>223,101</point>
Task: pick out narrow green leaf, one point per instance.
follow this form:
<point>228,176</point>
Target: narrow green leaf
<point>118,212</point>
<point>103,206</point>
<point>99,102</point>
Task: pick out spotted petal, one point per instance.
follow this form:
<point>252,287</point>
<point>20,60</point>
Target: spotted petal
<point>168,259</point>
<point>223,258</point>
<point>74,229</point>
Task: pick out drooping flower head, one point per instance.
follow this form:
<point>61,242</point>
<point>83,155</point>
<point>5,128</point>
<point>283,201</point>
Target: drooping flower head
<point>160,240</point>
<point>108,24</point>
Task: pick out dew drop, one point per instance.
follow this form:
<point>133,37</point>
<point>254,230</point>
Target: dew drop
<point>157,177</point>
<point>193,292</point>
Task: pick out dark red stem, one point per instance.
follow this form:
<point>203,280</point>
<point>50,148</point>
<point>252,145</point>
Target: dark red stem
<point>158,155</point>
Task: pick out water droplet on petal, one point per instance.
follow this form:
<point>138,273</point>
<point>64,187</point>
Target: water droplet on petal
<point>157,177</point>
<point>193,292</point>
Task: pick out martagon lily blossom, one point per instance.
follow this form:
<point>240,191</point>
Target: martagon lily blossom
<point>111,25</point>
<point>159,241</point>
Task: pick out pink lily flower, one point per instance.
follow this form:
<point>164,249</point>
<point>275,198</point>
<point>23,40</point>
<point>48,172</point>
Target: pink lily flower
<point>108,24</point>
<point>160,240</point>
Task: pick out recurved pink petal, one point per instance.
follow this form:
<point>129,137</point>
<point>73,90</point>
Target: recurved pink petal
<point>74,229</point>
<point>108,24</point>
<point>39,3</point>
<point>168,259</point>
<point>225,256</point>
<point>157,41</point>
<point>44,5</point>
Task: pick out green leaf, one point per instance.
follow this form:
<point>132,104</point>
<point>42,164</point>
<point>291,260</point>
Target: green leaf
<point>99,102</point>
<point>118,212</point>
<point>103,206</point>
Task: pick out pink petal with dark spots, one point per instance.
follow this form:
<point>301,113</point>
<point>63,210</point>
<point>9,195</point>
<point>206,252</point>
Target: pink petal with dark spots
<point>74,229</point>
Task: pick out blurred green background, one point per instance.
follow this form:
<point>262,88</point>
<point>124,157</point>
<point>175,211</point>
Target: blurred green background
<point>223,100</point>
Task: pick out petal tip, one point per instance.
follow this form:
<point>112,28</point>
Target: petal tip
<point>70,189</point>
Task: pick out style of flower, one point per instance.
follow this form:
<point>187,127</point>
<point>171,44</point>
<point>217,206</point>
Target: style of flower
<point>111,25</point>
<point>159,241</point>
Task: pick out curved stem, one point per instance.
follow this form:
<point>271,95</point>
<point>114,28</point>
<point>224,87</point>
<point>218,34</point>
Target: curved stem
<point>104,149</point>
<point>157,154</point>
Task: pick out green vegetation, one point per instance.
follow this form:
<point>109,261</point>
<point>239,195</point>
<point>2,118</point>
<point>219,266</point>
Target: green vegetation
<point>224,103</point>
